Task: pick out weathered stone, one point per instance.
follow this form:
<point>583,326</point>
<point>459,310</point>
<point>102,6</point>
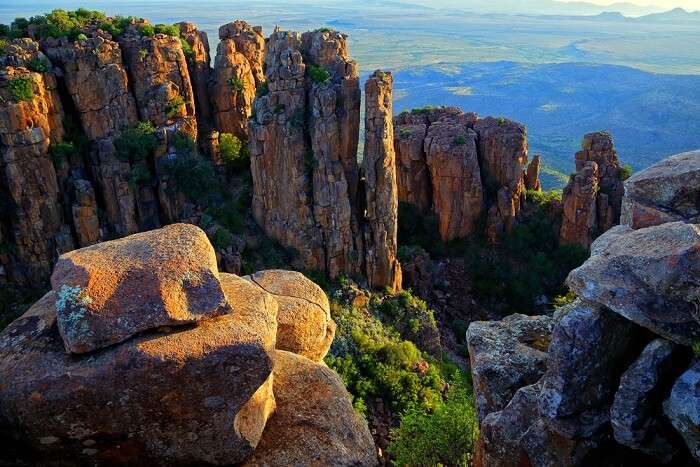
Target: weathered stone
<point>315,423</point>
<point>648,276</point>
<point>248,41</point>
<point>532,176</point>
<point>232,89</point>
<point>546,448</point>
<point>97,82</point>
<point>590,348</point>
<point>197,396</point>
<point>28,182</point>
<point>84,211</point>
<point>579,222</point>
<point>593,197</point>
<point>683,408</point>
<point>199,69</point>
<point>304,324</point>
<point>451,155</point>
<point>505,356</point>
<point>173,269</point>
<point>636,414</point>
<point>379,162</point>
<point>413,175</point>
<point>667,191</point>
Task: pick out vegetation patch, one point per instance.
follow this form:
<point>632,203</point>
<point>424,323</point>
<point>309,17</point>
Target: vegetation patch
<point>318,74</point>
<point>233,151</point>
<point>21,89</point>
<point>39,65</point>
<point>61,153</point>
<point>236,83</point>
<point>175,107</point>
<point>137,143</point>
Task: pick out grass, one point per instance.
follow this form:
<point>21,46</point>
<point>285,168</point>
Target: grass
<point>318,74</point>
<point>21,89</point>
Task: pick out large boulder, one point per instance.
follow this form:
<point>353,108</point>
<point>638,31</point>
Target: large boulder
<point>665,192</point>
<point>304,324</point>
<point>198,394</point>
<point>108,292</point>
<point>649,276</point>
<point>636,414</point>
<point>505,356</point>
<point>591,347</point>
<point>683,408</point>
<point>315,423</point>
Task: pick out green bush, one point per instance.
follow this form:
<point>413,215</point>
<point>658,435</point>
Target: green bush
<point>140,176</point>
<point>460,141</point>
<point>81,37</point>
<point>146,30</point>
<point>626,171</point>
<point>58,23</point>
<point>21,89</point>
<point>38,65</point>
<point>4,31</point>
<point>422,110</point>
<point>175,107</point>
<point>233,151</point>
<point>445,436</point>
<point>61,153</point>
<point>696,348</point>
<point>261,89</point>
<point>137,143</point>
<point>195,178</point>
<point>318,74</point>
<point>186,49</point>
<point>324,29</point>
<point>167,29</point>
<point>221,239</point>
<point>236,83</point>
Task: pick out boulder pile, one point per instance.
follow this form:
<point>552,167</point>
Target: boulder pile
<point>144,352</point>
<point>618,380</point>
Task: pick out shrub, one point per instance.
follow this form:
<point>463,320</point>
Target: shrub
<point>404,133</point>
<point>175,107</point>
<point>459,141</point>
<point>58,23</point>
<point>236,83</point>
<point>61,152</point>
<point>318,74</point>
<point>38,65</point>
<point>167,29</point>
<point>140,176</point>
<point>696,348</point>
<point>143,53</point>
<point>186,49</point>
<point>3,45</point>
<point>195,178</point>
<point>278,109</point>
<point>232,150</point>
<point>146,30</point>
<point>81,37</point>
<point>136,144</point>
<point>324,30</point>
<point>501,121</point>
<point>445,436</point>
<point>422,110</point>
<point>626,171</point>
<point>222,238</point>
<point>4,30</point>
<point>261,89</point>
<point>21,89</point>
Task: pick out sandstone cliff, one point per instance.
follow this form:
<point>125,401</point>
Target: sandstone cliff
<point>609,375</point>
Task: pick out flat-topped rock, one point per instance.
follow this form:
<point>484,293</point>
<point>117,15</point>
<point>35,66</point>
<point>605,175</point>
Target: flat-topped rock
<point>110,291</point>
<point>649,276</point>
<point>315,423</point>
<point>304,324</point>
<point>665,192</point>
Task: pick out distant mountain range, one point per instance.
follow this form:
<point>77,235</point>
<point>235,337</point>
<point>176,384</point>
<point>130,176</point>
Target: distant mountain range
<point>677,15</point>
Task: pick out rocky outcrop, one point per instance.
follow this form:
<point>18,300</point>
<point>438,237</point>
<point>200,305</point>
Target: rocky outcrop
<point>304,324</point>
<point>174,269</point>
<point>617,383</point>
<point>315,204</point>
<point>84,212</point>
<point>233,84</point>
<point>683,408</point>
<point>462,166</point>
<point>593,197</point>
<point>505,356</point>
<point>649,276</point>
<point>636,416</point>
<point>199,67</point>
<point>30,121</point>
<point>379,164</point>
<point>667,191</point>
<point>315,423</point>
<point>200,391</point>
<point>532,175</point>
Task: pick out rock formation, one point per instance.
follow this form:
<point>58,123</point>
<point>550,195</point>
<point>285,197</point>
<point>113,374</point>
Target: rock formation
<point>233,83</point>
<point>307,193</point>
<point>379,166</point>
<point>199,67</point>
<point>462,166</point>
<point>619,368</point>
<point>593,197</point>
<point>532,175</point>
<point>193,387</point>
